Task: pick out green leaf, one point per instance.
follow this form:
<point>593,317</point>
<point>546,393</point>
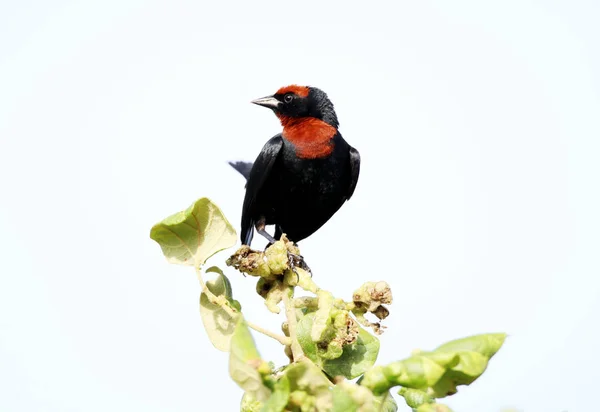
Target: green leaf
<point>376,380</point>
<point>465,360</point>
<point>309,386</point>
<point>468,367</point>
<point>486,344</point>
<point>459,362</point>
<point>348,396</point>
<point>246,367</point>
<point>355,358</point>
<point>343,401</point>
<point>192,236</point>
<point>416,372</point>
<point>415,398</point>
<point>250,404</point>
<point>219,324</point>
<point>280,396</point>
<point>301,387</point>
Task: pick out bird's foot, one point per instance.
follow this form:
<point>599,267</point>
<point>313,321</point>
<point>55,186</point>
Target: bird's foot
<point>297,261</point>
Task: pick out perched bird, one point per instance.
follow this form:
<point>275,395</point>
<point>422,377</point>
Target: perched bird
<point>303,175</point>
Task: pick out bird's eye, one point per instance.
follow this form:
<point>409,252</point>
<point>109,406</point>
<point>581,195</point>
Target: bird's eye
<point>288,98</point>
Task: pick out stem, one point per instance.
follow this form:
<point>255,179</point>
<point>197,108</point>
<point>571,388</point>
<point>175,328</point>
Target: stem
<point>214,299</point>
<point>199,276</point>
<point>284,340</point>
<point>290,312</point>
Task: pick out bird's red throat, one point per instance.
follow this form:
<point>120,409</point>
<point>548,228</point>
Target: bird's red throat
<point>312,138</point>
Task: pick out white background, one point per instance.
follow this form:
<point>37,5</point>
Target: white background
<point>478,201</point>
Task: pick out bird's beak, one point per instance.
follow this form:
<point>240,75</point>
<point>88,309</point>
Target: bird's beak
<point>269,101</point>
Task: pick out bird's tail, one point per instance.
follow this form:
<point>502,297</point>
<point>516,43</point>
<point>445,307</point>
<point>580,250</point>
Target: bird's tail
<point>242,167</point>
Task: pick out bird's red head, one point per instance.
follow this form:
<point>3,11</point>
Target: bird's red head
<point>308,119</point>
<point>296,102</point>
<point>301,91</point>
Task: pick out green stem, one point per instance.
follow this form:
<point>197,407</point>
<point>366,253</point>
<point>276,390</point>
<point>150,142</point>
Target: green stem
<point>214,299</point>
<point>224,303</point>
<point>290,312</point>
<point>284,340</point>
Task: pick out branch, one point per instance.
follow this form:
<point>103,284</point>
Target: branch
<point>214,299</point>
<point>284,340</point>
<point>222,302</point>
<point>290,313</point>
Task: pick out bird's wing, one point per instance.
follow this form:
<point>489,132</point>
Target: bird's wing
<point>258,175</point>
<point>354,171</point>
<point>242,167</point>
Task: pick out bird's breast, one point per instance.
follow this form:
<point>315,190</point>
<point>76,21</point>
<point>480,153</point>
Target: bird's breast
<point>312,138</point>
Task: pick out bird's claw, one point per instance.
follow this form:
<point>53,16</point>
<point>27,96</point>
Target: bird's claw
<point>297,261</point>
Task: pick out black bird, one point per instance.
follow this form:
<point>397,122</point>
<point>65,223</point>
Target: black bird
<point>303,175</point>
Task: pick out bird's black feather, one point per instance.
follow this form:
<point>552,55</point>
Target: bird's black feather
<point>256,178</point>
<point>242,167</point>
<point>354,170</point>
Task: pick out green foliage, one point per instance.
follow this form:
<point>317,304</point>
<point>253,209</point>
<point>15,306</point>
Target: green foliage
<point>280,396</point>
<point>440,371</point>
<point>218,322</point>
<point>415,398</point>
<point>246,367</point>
<point>192,236</point>
<point>342,350</point>
<point>322,337</point>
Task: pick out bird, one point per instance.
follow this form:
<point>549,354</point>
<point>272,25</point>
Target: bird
<point>303,175</point>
